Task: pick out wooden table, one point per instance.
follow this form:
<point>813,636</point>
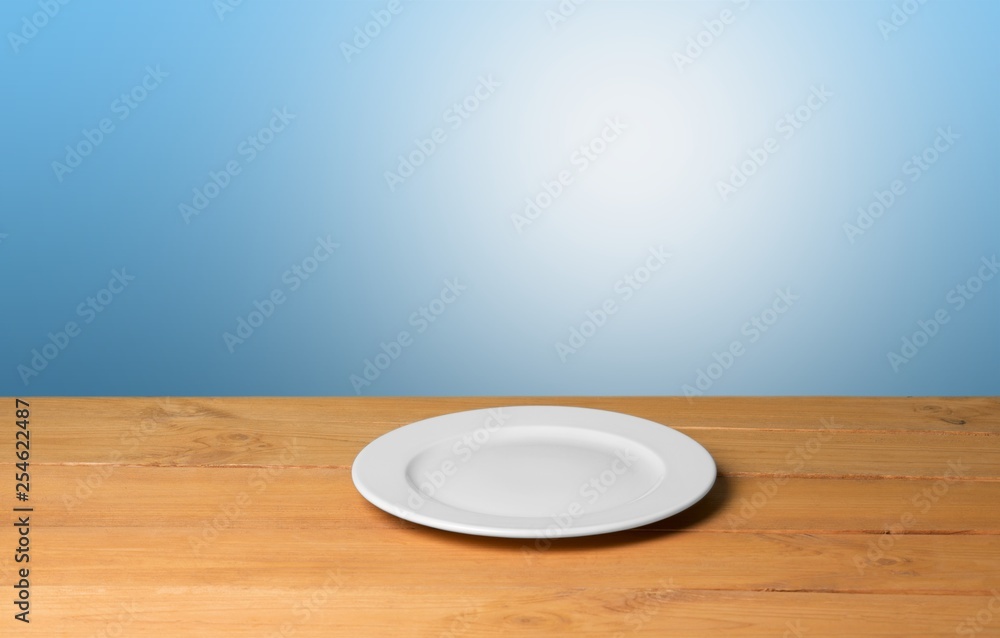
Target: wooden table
<point>238,517</point>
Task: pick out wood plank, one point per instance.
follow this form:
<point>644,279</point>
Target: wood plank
<point>325,498</point>
<point>201,433</point>
<point>853,454</point>
<point>424,557</point>
<point>950,414</point>
<point>769,452</point>
<point>324,609</point>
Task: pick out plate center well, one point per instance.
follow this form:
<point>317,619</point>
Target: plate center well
<point>536,471</point>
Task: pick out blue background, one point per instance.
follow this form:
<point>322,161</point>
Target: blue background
<point>554,83</point>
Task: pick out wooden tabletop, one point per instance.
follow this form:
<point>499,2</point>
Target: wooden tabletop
<point>238,517</point>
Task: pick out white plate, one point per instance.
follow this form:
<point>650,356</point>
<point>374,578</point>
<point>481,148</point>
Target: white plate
<point>534,472</point>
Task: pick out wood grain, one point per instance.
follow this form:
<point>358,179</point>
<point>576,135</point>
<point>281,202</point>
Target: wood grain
<point>424,557</point>
<point>292,497</point>
<point>531,612</point>
<point>238,517</point>
<point>949,414</point>
<point>205,432</point>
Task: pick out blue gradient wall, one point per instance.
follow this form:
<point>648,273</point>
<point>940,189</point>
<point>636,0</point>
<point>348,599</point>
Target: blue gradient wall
<point>331,198</point>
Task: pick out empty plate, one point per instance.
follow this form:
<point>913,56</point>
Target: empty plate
<point>534,472</point>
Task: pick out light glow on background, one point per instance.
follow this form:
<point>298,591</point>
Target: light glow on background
<point>656,186</point>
